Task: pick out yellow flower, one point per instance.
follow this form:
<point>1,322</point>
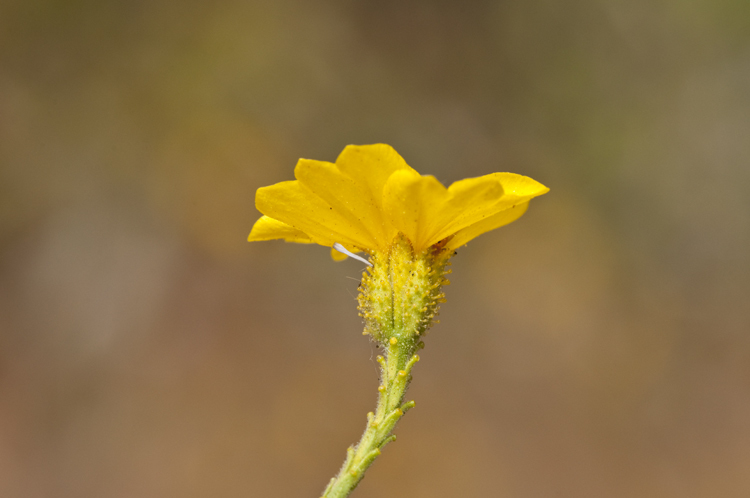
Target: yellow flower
<point>370,195</point>
<point>370,200</point>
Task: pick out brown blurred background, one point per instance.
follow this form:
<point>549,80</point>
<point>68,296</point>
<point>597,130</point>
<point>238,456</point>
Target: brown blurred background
<point>598,347</point>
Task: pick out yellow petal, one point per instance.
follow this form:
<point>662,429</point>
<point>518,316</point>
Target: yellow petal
<point>476,199</point>
<point>496,221</point>
<point>371,165</point>
<point>409,201</point>
<point>469,201</point>
<point>346,196</point>
<point>269,229</point>
<point>297,206</point>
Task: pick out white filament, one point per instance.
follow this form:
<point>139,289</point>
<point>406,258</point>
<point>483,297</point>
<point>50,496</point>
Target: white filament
<point>344,250</point>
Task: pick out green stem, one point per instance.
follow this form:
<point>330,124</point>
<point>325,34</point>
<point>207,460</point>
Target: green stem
<point>395,373</point>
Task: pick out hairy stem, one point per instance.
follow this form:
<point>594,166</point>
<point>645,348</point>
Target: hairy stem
<point>395,373</point>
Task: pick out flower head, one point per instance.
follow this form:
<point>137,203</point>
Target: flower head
<point>370,195</point>
<point>370,200</point>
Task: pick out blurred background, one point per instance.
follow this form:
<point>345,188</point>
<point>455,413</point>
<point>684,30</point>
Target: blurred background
<point>599,347</point>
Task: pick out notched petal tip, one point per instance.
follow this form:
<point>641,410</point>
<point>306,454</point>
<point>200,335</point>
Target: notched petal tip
<point>382,155</point>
